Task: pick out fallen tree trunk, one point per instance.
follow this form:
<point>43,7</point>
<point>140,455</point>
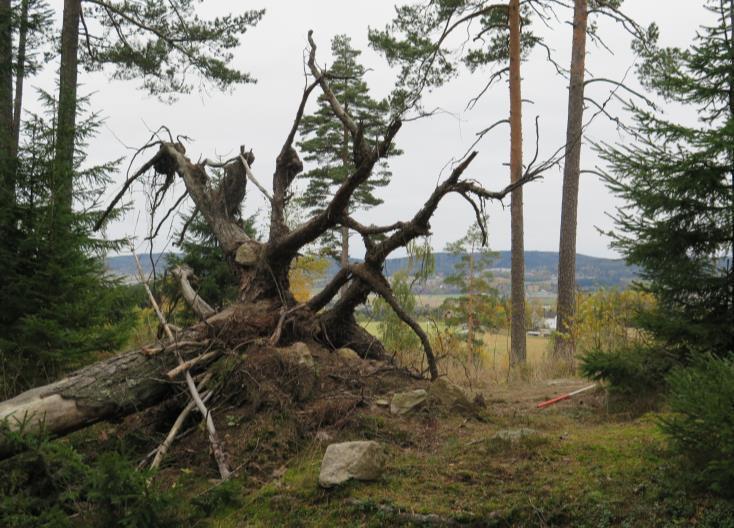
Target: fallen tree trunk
<point>265,310</point>
<point>112,388</point>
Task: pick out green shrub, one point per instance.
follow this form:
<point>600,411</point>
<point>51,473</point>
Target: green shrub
<point>701,427</point>
<point>632,370</point>
<point>123,497</point>
<point>40,487</point>
<point>50,481</point>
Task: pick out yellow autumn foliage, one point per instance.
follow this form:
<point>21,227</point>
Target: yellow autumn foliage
<point>306,270</point>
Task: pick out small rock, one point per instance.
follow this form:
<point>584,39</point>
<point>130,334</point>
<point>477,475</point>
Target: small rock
<point>348,354</point>
<point>363,460</point>
<point>404,402</point>
<point>514,435</point>
<point>449,395</point>
<point>247,254</point>
<point>323,437</point>
<point>382,402</point>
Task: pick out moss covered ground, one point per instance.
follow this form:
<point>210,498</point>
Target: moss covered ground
<point>585,465</point>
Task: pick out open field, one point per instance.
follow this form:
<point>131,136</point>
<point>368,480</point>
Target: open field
<point>495,355</point>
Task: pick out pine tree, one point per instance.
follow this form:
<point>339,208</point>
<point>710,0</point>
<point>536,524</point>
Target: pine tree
<point>326,142</point>
<point>498,35</point>
<point>477,305</point>
<point>676,178</point>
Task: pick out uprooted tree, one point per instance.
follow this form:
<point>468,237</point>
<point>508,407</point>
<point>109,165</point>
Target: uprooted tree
<point>266,314</point>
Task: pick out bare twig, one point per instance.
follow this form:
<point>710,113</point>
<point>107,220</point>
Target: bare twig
<point>176,427</point>
<point>217,450</point>
<point>188,365</point>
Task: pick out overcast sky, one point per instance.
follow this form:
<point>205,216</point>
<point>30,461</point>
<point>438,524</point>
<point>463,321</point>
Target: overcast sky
<point>260,115</point>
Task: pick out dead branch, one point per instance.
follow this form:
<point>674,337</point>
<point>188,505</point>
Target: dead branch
<point>188,365</point>
<point>217,449</point>
<point>379,285</point>
<point>162,449</point>
<point>318,74</point>
<point>128,182</point>
<point>253,179</point>
<point>198,305</point>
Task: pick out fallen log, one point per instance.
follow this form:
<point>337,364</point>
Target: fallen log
<point>109,389</point>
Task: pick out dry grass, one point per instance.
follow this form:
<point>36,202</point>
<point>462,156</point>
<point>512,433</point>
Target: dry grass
<point>491,366</point>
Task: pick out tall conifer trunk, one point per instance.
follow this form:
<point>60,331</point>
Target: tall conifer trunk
<point>564,345</point>
<point>6,107</point>
<point>518,345</point>
<point>20,76</point>
<point>66,112</point>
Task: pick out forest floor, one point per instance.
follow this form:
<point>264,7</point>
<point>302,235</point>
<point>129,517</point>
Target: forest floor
<point>580,464</point>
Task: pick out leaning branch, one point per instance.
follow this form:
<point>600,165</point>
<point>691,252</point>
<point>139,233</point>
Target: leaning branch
<point>336,106</point>
<point>198,305</point>
<point>379,285</point>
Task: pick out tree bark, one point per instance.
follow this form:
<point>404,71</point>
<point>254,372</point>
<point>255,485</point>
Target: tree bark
<point>67,108</point>
<point>344,257</point>
<point>564,343</point>
<point>518,344</point>
<point>19,77</point>
<point>111,388</point>
<point>7,172</point>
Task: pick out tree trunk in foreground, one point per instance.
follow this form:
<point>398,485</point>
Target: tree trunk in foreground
<point>109,389</point>
<point>7,170</point>
<point>67,107</point>
<point>518,344</point>
<point>564,343</point>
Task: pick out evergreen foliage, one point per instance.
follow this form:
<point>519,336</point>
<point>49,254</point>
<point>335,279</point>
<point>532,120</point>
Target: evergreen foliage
<point>327,144</point>
<point>166,44</point>
<point>676,178</point>
<point>420,43</point>
<point>52,485</point>
<point>701,427</point>
<point>478,309</point>
<point>59,307</point>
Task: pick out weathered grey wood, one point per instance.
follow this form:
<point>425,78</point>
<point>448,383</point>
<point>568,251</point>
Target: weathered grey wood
<point>111,388</point>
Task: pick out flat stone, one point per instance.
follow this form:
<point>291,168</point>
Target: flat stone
<point>361,460</point>
<point>514,435</point>
<point>382,402</point>
<point>298,353</point>
<point>405,402</point>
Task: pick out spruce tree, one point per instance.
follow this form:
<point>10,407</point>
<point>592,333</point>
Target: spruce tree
<point>59,307</point>
<point>676,179</point>
<point>326,142</point>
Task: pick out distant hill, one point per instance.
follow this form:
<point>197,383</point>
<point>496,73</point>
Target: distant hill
<point>540,267</point>
<point>591,272</point>
<point>124,265</point>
